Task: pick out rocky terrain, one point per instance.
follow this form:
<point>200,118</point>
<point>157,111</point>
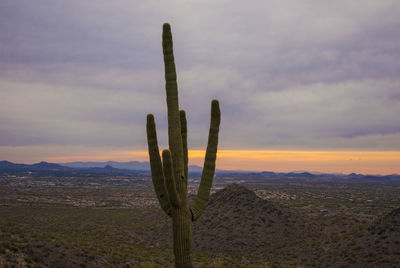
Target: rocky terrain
<point>116,221</point>
<point>238,221</point>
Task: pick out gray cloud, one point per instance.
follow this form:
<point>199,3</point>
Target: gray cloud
<point>289,75</point>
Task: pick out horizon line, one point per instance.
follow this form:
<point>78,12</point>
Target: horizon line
<point>322,161</point>
<point>233,170</point>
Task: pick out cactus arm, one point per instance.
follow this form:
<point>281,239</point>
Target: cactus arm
<point>184,142</point>
<point>169,179</point>
<point>155,165</point>
<point>207,176</point>
<point>174,128</point>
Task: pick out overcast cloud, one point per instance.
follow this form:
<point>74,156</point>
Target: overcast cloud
<point>289,74</point>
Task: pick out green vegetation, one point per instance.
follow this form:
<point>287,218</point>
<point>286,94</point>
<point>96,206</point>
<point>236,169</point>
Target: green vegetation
<point>63,236</point>
<point>117,222</point>
<point>170,177</point>
<point>77,236</point>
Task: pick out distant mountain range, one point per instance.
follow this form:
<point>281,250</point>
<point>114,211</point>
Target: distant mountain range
<point>133,167</point>
<point>6,165</point>
<point>45,168</point>
<point>108,167</point>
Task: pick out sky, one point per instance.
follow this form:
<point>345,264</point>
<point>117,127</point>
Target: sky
<point>303,85</point>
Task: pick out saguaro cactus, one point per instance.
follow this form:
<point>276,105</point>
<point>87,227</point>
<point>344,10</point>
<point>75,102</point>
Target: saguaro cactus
<point>170,176</point>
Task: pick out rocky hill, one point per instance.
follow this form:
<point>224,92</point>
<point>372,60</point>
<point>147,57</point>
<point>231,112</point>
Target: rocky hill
<point>378,245</point>
<point>389,223</point>
<point>238,221</point>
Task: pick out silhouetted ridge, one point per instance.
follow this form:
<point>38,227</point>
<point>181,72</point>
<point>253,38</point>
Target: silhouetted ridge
<point>46,165</point>
<point>237,220</point>
<point>6,165</point>
<point>236,197</point>
<point>9,165</point>
<point>393,217</point>
<point>108,167</point>
<point>389,223</point>
<point>233,192</point>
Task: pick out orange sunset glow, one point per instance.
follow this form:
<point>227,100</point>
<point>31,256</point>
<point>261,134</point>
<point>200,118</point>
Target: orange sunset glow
<point>273,160</point>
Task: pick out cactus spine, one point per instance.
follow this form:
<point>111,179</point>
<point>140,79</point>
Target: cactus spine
<point>170,176</point>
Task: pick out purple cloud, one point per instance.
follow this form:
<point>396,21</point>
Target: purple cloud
<point>309,75</point>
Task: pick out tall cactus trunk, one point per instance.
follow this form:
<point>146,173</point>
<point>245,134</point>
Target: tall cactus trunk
<point>170,176</point>
<point>182,228</point>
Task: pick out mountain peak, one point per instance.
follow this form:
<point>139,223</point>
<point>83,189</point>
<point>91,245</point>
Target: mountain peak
<point>44,163</point>
<point>236,216</point>
<point>108,167</point>
<point>234,193</point>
